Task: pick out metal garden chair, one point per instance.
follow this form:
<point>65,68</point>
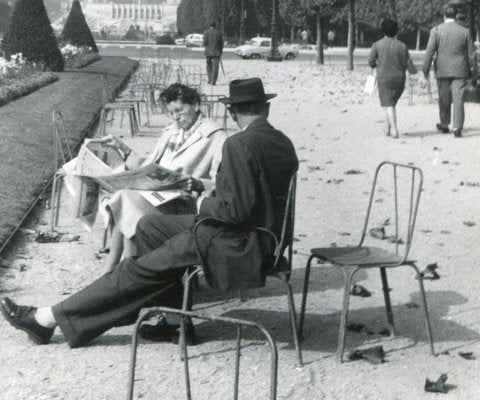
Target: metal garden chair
<point>62,153</point>
<point>353,259</point>
<point>240,324</point>
<point>280,268</point>
<point>213,108</point>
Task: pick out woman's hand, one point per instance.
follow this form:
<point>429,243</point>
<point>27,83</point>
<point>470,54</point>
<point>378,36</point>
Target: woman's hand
<point>193,185</point>
<point>118,145</point>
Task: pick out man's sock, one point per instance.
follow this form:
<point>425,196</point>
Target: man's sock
<point>44,316</point>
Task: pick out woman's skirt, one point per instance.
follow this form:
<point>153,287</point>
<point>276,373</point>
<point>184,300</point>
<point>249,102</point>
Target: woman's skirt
<point>390,90</point>
<point>126,207</point>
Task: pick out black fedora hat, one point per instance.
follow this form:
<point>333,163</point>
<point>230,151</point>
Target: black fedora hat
<point>244,90</point>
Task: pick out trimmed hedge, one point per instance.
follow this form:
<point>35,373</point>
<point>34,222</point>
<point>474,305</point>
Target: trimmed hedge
<point>12,89</point>
<point>76,30</point>
<point>31,34</point>
<point>83,61</point>
<point>5,12</point>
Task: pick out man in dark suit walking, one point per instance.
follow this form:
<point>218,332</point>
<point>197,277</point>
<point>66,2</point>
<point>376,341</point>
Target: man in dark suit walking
<point>451,45</point>
<point>251,189</point>
<point>213,42</point>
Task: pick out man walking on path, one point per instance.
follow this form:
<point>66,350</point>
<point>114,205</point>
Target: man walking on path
<point>330,38</point>
<point>213,42</point>
<point>251,190</point>
<point>451,45</point>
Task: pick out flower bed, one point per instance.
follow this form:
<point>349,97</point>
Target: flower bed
<point>78,57</point>
<point>19,77</point>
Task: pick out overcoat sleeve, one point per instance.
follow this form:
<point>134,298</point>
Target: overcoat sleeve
<point>373,56</point>
<point>236,193</point>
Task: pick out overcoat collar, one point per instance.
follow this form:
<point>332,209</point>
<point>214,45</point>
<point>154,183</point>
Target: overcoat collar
<point>206,128</point>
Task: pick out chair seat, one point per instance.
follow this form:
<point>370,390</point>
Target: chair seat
<point>356,255</point>
<point>118,105</point>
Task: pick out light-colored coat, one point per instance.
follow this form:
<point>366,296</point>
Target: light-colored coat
<point>452,46</point>
<point>199,156</point>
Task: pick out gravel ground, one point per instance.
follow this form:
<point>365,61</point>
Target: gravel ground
<point>336,128</point>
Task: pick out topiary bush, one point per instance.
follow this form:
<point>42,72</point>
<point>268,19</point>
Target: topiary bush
<point>76,30</point>
<point>31,34</point>
<point>5,12</point>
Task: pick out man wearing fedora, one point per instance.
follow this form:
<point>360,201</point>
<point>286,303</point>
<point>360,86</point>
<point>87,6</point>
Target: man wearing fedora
<point>251,189</point>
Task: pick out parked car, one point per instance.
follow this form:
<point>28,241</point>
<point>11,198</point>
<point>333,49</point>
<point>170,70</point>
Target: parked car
<point>194,40</point>
<point>259,47</point>
<point>180,41</point>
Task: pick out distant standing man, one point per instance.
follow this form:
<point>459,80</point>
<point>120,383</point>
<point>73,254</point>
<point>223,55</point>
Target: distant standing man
<point>213,42</point>
<point>304,36</point>
<point>330,38</point>
<point>452,46</point>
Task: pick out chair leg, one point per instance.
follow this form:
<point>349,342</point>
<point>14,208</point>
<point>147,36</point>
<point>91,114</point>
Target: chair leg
<point>122,111</point>
<point>425,308</point>
<point>103,122</point>
<point>293,320</point>
<point>53,204</point>
<point>148,114</point>
<point>388,303</point>
<point>186,306</point>
<point>304,296</point>
<point>348,272</point>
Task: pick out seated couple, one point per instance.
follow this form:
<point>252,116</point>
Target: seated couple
<point>251,190</point>
<point>191,145</point>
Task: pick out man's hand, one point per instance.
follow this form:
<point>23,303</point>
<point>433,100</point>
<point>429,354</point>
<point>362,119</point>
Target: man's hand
<point>193,185</point>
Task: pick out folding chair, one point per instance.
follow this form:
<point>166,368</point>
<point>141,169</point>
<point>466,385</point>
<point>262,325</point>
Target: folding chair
<point>353,259</point>
<point>62,153</point>
<point>213,108</point>
<point>240,324</point>
<point>281,267</point>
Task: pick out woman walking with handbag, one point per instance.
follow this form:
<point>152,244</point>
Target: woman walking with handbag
<point>391,59</point>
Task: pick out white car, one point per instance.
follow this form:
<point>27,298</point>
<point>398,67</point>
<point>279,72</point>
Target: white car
<point>194,40</point>
<point>259,47</point>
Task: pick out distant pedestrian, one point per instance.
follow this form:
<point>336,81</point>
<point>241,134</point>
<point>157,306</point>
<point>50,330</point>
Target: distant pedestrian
<point>452,47</point>
<point>391,58</point>
<point>330,38</point>
<point>298,36</point>
<point>213,42</point>
<point>304,36</point>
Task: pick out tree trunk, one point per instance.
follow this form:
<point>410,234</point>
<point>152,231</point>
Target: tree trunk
<point>419,35</point>
<point>292,33</point>
<point>351,34</point>
<point>320,58</point>
<point>392,9</point>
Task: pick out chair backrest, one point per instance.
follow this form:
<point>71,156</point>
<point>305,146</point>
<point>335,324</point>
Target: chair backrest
<point>213,108</point>
<point>62,151</point>
<point>398,208</point>
<point>285,242</point>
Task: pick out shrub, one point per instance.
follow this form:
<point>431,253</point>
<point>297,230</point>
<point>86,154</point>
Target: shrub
<point>134,33</point>
<point>78,57</point>
<point>11,89</point>
<point>76,30</point>
<point>164,39</point>
<point>30,33</point>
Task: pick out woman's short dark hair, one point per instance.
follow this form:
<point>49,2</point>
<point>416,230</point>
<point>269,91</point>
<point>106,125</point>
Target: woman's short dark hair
<point>389,27</point>
<point>177,91</point>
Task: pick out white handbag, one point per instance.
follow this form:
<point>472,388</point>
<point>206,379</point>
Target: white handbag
<point>370,84</point>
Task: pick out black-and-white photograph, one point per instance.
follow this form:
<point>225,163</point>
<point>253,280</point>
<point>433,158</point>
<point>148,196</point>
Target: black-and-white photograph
<point>239,199</point>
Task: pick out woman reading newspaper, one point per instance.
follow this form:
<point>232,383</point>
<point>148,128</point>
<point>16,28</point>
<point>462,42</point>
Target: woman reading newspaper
<point>191,145</point>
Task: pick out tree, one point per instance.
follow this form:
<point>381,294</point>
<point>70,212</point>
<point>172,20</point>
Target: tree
<point>293,13</point>
<point>30,33</point>
<point>5,13</point>
<point>351,34</point>
<point>76,30</point>
<point>392,10</point>
<point>321,9</point>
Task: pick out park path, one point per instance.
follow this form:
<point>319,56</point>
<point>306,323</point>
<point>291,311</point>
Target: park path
<point>26,152</point>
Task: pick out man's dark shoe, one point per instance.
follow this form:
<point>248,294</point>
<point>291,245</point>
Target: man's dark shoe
<point>443,129</point>
<point>23,318</point>
<point>457,132</point>
<point>162,331</point>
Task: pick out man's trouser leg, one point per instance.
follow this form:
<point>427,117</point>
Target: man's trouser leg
<point>215,62</point>
<point>457,87</point>
<point>209,69</point>
<point>133,283</point>
<point>444,101</point>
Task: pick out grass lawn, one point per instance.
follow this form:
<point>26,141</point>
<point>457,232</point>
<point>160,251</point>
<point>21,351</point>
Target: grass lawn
<point>26,152</point>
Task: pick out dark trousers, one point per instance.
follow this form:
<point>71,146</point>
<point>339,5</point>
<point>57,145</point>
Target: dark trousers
<point>212,69</point>
<point>451,90</point>
<point>167,248</point>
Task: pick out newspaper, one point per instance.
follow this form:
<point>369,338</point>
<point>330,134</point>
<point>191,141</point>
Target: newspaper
<point>99,166</point>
